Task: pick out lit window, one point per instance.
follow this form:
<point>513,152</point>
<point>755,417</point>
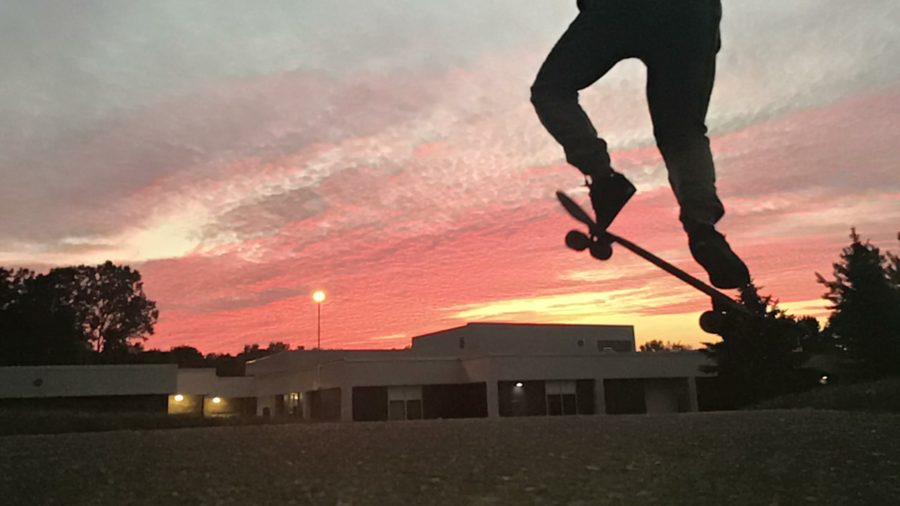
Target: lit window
<point>179,398</point>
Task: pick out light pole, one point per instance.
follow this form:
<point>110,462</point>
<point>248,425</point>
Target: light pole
<point>319,297</point>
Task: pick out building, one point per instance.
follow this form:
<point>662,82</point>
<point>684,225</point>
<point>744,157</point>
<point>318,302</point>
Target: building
<point>162,388</point>
<point>88,388</point>
<point>483,370</point>
<point>477,370</point>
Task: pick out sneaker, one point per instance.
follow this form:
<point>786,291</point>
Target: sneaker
<point>726,270</point>
<point>609,194</point>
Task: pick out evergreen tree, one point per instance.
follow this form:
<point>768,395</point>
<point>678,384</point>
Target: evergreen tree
<point>893,266</point>
<point>760,354</point>
<point>865,304</point>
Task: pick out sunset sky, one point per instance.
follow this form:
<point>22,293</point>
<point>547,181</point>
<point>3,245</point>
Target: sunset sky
<point>243,154</point>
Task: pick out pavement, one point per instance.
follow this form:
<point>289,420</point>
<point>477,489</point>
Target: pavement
<point>735,458</point>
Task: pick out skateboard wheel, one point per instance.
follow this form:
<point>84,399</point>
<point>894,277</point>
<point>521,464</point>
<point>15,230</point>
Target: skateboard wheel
<point>712,322</point>
<point>601,250</point>
<point>577,241</point>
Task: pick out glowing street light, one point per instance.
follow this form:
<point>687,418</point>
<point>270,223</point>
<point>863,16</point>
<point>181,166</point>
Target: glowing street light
<point>319,298</point>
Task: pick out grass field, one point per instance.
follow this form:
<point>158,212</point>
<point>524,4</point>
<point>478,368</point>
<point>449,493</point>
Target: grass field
<point>882,396</point>
<point>736,458</point>
<point>19,422</point>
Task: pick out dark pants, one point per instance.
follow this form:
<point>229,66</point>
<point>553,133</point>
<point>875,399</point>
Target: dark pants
<point>677,40</point>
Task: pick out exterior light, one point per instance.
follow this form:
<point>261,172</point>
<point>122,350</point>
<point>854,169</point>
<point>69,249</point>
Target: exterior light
<point>823,380</point>
<point>216,400</point>
<point>319,298</point>
<point>179,398</point>
<point>519,384</point>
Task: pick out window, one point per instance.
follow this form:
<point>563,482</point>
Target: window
<point>414,409</point>
<point>293,403</point>
<point>405,403</point>
<point>561,398</point>
<point>396,410</point>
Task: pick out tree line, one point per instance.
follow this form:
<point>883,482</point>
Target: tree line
<point>93,315</point>
<point>72,314</point>
<point>224,363</point>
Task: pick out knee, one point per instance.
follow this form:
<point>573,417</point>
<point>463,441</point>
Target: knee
<point>539,94</point>
<point>681,138</point>
<point>545,94</point>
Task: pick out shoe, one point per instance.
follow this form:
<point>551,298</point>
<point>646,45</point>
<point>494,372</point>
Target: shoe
<point>726,270</point>
<point>609,194</point>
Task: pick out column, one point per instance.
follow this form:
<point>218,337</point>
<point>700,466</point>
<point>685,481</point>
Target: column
<point>693,404</point>
<point>599,397</point>
<point>493,399</point>
<point>346,403</point>
<point>305,399</point>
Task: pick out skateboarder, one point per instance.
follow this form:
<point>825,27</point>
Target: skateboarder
<point>678,42</point>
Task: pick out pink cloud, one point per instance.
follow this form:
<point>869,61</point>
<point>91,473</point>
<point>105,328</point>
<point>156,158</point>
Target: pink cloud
<point>385,280</point>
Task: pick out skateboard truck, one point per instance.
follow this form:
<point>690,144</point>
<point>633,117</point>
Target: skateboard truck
<point>599,242</point>
<point>600,247</point>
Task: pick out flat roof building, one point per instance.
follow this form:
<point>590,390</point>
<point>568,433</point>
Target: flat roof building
<point>477,370</point>
<point>481,370</point>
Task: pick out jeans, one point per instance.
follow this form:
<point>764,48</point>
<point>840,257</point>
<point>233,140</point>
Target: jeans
<point>677,40</point>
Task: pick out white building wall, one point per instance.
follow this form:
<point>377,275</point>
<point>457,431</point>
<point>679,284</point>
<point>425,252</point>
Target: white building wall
<point>525,339</point>
<point>86,380</point>
<point>619,366</point>
<point>267,401</point>
<point>487,353</point>
<point>205,382</point>
<point>392,372</point>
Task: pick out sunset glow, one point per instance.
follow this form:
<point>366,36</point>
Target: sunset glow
<point>244,162</point>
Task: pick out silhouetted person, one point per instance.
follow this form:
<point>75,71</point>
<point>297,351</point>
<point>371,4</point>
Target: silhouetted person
<point>677,40</point>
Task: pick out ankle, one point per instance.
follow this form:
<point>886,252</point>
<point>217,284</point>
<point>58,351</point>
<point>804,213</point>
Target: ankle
<point>598,175</point>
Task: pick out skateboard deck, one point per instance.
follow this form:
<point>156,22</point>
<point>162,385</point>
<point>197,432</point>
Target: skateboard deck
<point>599,242</point>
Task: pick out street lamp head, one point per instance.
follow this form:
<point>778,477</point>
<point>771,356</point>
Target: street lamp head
<point>319,296</point>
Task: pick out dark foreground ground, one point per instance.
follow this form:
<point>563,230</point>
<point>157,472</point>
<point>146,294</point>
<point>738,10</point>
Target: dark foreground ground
<point>744,458</point>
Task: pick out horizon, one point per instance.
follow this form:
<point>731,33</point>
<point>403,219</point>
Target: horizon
<point>242,160</point>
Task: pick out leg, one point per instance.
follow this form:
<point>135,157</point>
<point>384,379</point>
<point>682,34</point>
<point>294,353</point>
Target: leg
<point>681,68</point>
<point>679,84</point>
<point>585,52</point>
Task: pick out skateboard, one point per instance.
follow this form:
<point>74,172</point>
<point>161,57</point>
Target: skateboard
<point>599,243</point>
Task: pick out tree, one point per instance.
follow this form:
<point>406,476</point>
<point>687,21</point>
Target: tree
<point>657,345</point>
<point>865,304</point>
<point>186,356</point>
<point>35,328</point>
<point>109,303</point>
<point>760,354</point>
<point>893,266</point>
<point>254,351</point>
<point>13,285</point>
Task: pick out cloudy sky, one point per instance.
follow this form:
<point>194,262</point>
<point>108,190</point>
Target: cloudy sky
<point>242,154</point>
